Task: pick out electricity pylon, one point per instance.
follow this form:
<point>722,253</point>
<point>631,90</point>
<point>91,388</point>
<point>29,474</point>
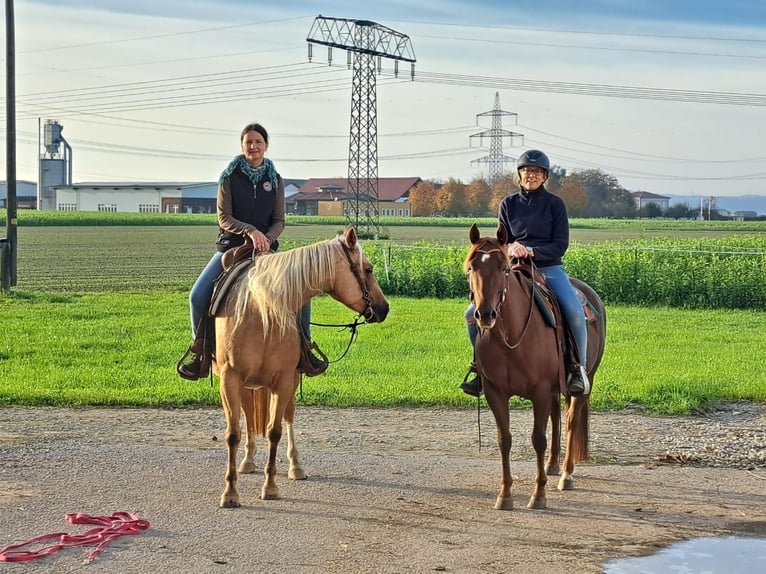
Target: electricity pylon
<point>368,43</point>
<point>496,158</point>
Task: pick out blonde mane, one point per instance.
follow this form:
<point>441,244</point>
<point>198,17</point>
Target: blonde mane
<point>276,283</point>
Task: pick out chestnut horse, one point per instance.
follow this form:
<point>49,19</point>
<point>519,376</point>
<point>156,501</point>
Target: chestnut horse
<point>518,353</point>
<point>258,345</point>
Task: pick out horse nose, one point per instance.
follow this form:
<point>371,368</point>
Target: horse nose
<point>485,318</point>
<point>378,313</point>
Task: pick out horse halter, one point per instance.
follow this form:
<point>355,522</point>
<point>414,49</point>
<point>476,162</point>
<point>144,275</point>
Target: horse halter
<point>507,272</point>
<point>368,312</point>
<point>502,300</point>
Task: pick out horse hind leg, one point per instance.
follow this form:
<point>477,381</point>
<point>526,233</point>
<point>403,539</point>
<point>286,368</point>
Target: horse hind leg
<point>280,398</point>
<point>296,471</point>
<point>247,466</point>
<point>578,411</point>
<point>552,467</point>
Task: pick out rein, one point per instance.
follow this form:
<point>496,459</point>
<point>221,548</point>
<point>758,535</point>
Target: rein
<point>529,315</point>
<point>502,300</point>
<point>366,315</point>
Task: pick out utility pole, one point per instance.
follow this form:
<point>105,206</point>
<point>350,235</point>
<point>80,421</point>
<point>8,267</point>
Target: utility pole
<point>8,246</point>
<point>367,43</point>
<point>496,158</point>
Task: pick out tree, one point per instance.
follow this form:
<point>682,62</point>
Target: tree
<point>650,211</point>
<point>555,177</point>
<point>478,196</point>
<point>422,199</point>
<point>606,197</point>
<point>574,195</point>
<point>503,187</point>
<point>680,211</point>
<point>450,198</point>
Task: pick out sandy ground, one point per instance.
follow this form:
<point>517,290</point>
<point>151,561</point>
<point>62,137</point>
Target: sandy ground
<point>394,490</point>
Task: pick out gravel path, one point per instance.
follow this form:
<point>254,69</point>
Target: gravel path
<point>389,490</point>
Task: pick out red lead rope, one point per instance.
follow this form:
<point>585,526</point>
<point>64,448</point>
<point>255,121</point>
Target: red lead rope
<point>110,528</point>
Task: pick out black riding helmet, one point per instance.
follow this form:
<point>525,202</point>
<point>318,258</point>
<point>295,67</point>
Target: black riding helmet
<point>534,158</point>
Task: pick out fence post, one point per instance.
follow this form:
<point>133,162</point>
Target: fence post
<point>5,265</point>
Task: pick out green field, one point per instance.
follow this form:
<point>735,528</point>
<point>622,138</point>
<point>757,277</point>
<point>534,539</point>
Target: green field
<point>99,317</point>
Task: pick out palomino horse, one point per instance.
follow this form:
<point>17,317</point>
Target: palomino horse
<point>518,353</point>
<point>258,346</point>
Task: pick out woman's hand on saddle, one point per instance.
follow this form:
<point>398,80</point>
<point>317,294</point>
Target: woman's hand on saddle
<point>520,251</point>
<point>260,241</point>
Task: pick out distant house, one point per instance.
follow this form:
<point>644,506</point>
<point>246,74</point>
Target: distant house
<point>330,196</point>
<point>644,198</point>
<point>743,215</point>
<point>26,194</point>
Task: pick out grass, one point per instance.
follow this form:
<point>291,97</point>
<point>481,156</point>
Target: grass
<point>120,349</point>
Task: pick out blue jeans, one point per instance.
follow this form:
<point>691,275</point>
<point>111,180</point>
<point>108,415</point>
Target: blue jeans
<point>558,281</point>
<point>202,291</point>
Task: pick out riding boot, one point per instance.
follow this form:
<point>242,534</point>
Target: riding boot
<point>309,363</point>
<point>192,369</point>
<point>472,387</point>
<point>577,382</point>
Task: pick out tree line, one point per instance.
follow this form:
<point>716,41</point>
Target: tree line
<point>587,193</point>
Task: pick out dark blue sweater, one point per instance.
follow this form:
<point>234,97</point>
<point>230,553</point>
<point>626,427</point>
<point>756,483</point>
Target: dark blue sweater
<point>538,220</point>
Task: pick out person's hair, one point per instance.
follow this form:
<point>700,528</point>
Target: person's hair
<point>255,128</point>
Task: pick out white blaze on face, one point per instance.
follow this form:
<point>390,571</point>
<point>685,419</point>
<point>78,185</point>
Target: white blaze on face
<point>485,258</point>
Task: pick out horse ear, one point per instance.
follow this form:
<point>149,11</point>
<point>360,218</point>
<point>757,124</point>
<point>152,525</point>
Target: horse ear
<point>502,234</point>
<point>350,237</point>
<point>473,234</point>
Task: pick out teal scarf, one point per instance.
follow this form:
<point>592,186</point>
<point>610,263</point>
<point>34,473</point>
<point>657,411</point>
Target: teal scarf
<point>254,174</point>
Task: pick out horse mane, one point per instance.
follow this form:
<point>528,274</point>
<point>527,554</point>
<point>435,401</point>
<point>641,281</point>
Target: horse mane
<point>276,283</point>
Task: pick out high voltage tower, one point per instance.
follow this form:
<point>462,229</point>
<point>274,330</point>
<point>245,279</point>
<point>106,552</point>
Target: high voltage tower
<point>366,44</point>
<point>496,158</point>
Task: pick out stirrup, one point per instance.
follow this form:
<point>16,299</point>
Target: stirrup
<point>472,387</point>
<point>196,368</point>
<point>578,378</point>
<point>309,364</point>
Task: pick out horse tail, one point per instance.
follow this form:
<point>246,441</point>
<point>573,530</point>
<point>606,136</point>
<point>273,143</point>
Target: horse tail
<point>579,428</point>
<point>261,407</point>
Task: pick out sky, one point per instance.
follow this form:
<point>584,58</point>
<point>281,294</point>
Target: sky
<point>668,97</point>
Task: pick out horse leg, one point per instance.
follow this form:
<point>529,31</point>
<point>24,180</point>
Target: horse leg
<point>295,472</point>
<point>247,466</point>
<point>552,467</point>
<point>280,397</point>
<point>232,406</point>
<point>576,439</point>
<point>542,410</point>
<point>504,440</point>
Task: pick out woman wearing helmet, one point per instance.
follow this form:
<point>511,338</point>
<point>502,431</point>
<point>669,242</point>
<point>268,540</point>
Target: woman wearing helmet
<point>538,228</point>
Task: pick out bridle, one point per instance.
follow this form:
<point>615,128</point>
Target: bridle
<point>501,301</point>
<point>368,312</point>
<point>364,316</point>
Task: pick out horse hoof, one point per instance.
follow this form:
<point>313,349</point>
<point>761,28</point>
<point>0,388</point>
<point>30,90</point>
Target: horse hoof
<point>229,502</point>
<point>552,470</point>
<point>246,467</point>
<point>296,474</point>
<point>566,483</point>
<point>504,503</point>
<point>537,504</point>
<point>270,494</point>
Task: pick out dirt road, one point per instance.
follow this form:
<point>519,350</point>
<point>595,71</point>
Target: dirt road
<point>388,491</point>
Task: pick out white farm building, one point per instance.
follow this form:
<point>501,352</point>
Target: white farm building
<point>161,197</point>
